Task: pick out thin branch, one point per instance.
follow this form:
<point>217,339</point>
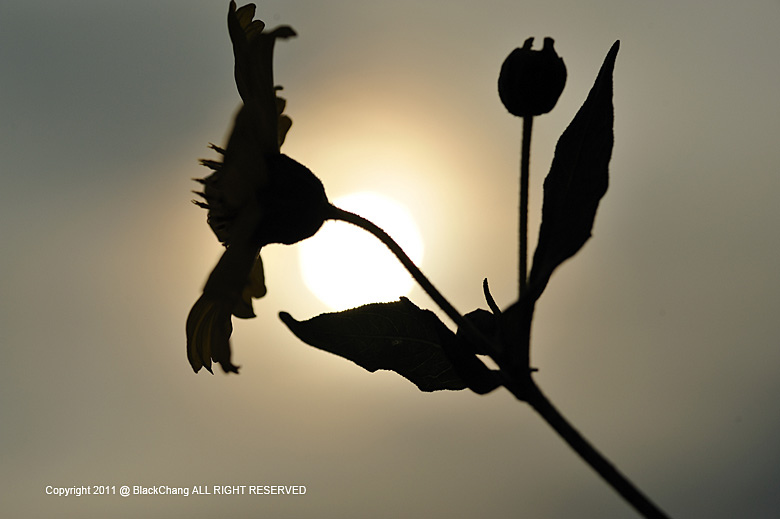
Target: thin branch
<point>336,213</point>
<point>525,161</point>
<point>536,399</point>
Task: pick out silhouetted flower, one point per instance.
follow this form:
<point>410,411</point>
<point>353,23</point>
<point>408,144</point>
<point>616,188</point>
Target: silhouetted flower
<point>254,196</point>
<point>531,81</point>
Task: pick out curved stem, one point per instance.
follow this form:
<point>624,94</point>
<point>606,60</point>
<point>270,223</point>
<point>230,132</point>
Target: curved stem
<point>525,161</point>
<point>536,399</point>
<point>335,213</point>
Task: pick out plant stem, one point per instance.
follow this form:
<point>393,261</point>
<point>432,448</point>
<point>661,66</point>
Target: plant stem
<point>522,386</point>
<point>536,399</point>
<point>335,213</point>
<point>525,161</point>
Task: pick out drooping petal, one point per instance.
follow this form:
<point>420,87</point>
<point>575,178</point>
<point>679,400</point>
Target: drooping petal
<point>254,289</point>
<point>208,325</point>
<point>208,335</point>
<point>284,125</point>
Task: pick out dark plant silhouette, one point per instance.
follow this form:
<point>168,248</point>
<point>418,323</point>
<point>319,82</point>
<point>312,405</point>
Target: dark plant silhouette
<point>256,196</point>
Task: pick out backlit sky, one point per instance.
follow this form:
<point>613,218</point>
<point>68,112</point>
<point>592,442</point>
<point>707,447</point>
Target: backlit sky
<point>660,340</point>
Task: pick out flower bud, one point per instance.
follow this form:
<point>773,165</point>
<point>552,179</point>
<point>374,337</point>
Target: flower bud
<point>531,81</point>
<point>294,203</point>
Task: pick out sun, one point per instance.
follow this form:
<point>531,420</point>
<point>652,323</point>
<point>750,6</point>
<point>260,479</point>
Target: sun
<point>345,266</point>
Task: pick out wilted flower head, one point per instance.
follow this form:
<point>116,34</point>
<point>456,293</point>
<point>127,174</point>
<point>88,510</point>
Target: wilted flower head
<point>531,81</point>
<point>254,196</point>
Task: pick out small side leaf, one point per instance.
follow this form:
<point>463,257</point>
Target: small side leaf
<point>578,178</point>
<point>462,352</point>
<point>395,336</point>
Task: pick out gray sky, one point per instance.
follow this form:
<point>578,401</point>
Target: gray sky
<point>659,340</point>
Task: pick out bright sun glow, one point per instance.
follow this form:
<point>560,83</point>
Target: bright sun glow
<point>345,266</point>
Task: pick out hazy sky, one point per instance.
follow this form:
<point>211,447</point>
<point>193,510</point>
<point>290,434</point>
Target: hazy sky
<point>660,340</point>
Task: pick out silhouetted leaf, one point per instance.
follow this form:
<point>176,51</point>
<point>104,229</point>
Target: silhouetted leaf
<point>462,351</point>
<point>395,336</point>
<point>578,178</point>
